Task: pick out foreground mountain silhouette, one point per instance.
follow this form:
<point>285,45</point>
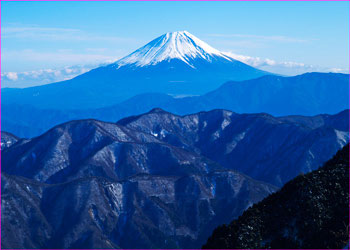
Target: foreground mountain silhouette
<point>311,211</point>
<point>175,63</point>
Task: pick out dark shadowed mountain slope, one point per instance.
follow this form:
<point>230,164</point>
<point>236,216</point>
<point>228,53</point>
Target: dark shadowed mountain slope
<point>7,139</point>
<point>311,211</point>
<point>264,147</point>
<point>23,225</point>
<point>143,211</point>
<point>90,184</point>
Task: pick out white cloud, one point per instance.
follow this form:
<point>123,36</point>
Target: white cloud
<point>42,76</point>
<point>12,76</point>
<point>337,70</point>
<point>284,68</point>
<point>57,61</point>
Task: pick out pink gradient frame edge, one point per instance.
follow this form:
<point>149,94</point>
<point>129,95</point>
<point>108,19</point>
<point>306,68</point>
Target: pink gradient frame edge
<point>161,1</point>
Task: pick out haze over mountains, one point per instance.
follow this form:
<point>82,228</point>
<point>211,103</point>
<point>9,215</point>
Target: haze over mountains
<point>308,94</point>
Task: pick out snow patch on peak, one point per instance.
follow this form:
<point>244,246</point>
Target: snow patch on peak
<point>173,45</point>
<point>342,137</point>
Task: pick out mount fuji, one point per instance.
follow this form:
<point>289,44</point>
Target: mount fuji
<point>176,45</point>
<point>176,63</point>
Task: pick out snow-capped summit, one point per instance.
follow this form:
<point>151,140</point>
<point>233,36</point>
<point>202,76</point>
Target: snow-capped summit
<point>175,63</point>
<point>173,45</point>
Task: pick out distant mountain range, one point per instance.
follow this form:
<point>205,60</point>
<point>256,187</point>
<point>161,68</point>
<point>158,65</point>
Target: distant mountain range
<point>175,63</point>
<point>309,212</point>
<point>308,94</point>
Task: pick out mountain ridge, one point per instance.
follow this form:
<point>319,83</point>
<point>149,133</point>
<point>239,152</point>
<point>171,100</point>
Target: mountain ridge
<point>225,137</point>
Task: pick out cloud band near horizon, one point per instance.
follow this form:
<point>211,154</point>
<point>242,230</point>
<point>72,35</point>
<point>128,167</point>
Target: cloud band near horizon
<point>46,76</point>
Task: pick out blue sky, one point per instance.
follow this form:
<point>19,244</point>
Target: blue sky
<point>280,36</point>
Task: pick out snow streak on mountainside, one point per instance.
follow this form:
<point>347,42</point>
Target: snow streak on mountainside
<point>7,140</point>
<point>173,45</point>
